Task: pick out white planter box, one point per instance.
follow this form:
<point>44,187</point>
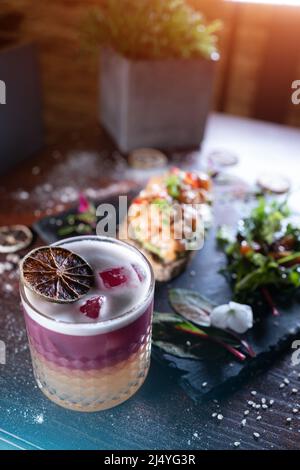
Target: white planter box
<point>159,103</point>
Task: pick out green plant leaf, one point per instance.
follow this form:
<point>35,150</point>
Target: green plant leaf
<point>175,349</point>
<point>150,29</point>
<point>191,305</point>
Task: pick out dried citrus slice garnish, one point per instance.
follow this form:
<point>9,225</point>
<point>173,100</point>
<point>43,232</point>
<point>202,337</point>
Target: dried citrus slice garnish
<point>14,238</point>
<point>56,274</point>
<point>147,158</point>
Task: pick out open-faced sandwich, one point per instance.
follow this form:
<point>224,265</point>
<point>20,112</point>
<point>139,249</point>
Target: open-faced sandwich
<point>167,220</point>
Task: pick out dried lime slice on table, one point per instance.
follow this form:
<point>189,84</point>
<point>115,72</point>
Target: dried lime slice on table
<point>14,238</point>
<point>56,274</point>
<point>274,183</point>
<point>147,158</point>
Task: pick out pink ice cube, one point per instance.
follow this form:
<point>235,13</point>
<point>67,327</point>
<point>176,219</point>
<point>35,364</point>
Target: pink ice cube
<point>91,308</point>
<point>115,277</point>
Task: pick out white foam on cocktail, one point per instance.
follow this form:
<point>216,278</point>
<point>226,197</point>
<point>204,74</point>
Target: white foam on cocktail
<point>118,301</point>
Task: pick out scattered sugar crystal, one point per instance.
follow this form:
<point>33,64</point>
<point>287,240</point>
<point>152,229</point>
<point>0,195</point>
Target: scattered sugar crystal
<point>47,187</point>
<point>254,393</point>
<point>258,418</point>
<point>236,444</point>
<point>243,422</point>
<point>39,419</point>
<point>23,195</point>
<point>286,381</point>
<point>246,412</point>
<point>196,434</point>
<point>256,435</point>
<point>36,170</point>
<point>294,390</point>
<point>220,417</point>
<point>13,258</point>
<point>56,154</point>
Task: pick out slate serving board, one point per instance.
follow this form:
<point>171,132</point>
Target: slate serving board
<point>216,370</point>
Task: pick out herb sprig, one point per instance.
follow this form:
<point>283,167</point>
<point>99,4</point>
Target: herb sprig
<point>263,256</point>
<point>83,222</point>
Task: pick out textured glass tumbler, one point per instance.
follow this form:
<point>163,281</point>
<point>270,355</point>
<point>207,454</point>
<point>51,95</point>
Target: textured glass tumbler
<point>91,367</point>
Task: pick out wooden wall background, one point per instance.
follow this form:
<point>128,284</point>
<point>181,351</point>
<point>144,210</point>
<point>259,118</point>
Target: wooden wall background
<point>70,76</point>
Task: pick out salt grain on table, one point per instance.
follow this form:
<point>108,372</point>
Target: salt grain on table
<point>23,195</point>
<point>13,258</point>
<point>39,419</point>
<point>36,170</point>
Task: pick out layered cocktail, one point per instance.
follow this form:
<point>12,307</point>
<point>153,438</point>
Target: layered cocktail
<point>88,304</point>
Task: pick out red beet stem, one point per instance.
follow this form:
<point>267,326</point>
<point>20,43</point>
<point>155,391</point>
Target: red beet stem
<point>229,348</point>
<point>270,301</point>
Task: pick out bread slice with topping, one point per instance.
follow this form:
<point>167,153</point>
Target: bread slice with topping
<point>166,221</point>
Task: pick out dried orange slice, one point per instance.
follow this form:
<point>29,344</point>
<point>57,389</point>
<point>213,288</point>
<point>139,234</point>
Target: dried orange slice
<point>14,238</point>
<point>56,274</point>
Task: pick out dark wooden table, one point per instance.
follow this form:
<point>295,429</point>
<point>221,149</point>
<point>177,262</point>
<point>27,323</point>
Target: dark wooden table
<point>160,416</point>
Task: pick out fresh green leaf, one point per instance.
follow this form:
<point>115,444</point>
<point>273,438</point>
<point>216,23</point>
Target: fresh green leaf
<point>191,305</point>
<point>150,29</point>
<point>175,349</point>
<point>173,185</point>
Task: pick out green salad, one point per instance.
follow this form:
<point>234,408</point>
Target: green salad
<point>263,255</point>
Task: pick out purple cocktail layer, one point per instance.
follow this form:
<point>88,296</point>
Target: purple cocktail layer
<point>89,352</point>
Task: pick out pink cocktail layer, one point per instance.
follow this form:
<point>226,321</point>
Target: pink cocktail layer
<point>90,352</point>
